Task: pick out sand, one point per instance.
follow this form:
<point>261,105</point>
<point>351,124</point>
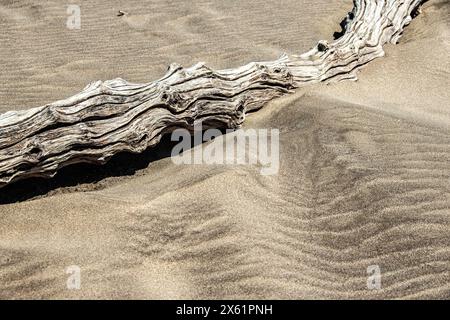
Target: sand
<point>364,166</point>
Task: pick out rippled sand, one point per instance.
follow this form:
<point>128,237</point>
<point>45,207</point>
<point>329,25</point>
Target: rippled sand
<point>364,167</point>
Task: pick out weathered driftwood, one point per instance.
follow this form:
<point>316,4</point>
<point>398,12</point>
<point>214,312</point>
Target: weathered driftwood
<point>114,116</point>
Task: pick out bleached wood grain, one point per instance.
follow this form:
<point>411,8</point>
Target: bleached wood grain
<point>115,116</point>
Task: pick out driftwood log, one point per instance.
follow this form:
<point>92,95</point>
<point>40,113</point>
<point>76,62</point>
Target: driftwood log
<point>115,116</point>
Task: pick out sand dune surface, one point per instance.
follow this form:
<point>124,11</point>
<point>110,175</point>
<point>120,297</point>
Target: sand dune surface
<point>364,177</point>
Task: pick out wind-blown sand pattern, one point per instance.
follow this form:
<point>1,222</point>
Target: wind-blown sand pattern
<point>364,177</point>
<point>115,116</point>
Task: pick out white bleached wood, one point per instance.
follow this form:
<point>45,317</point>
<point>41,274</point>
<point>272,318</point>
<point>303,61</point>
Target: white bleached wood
<point>115,116</point>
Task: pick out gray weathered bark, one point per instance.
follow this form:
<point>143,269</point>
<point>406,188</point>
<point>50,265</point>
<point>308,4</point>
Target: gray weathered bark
<point>114,116</point>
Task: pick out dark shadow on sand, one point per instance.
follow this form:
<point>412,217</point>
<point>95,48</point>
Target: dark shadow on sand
<point>120,165</point>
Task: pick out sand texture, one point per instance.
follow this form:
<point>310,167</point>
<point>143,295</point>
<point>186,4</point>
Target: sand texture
<point>364,166</point>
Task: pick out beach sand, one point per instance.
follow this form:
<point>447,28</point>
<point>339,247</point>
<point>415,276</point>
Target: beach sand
<point>364,175</point>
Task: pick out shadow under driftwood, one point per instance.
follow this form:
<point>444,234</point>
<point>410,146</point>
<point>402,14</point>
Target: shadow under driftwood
<point>90,175</point>
<point>120,165</point>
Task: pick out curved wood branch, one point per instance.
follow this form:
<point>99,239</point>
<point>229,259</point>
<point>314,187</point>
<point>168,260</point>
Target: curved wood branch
<point>114,116</point>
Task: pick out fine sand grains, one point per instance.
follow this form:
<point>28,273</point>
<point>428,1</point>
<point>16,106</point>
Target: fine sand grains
<point>364,167</point>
